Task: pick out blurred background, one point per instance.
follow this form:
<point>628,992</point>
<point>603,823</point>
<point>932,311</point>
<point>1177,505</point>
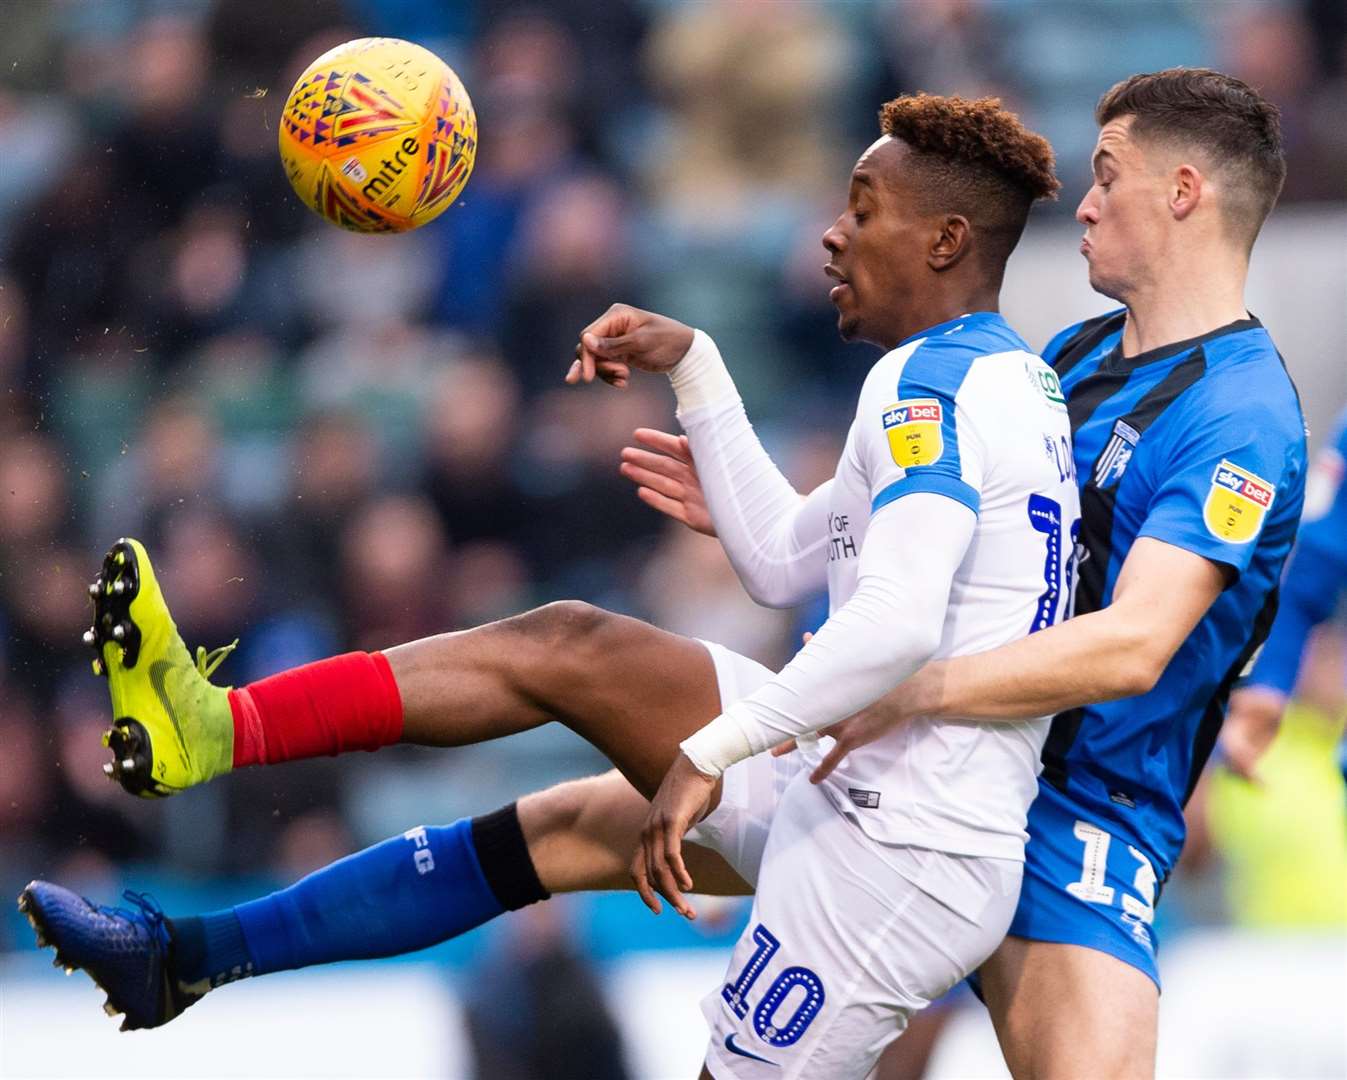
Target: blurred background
<point>334,442</point>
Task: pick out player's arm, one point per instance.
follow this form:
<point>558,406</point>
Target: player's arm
<point>1161,594</point>
<point>777,556</point>
<point>775,538</point>
<point>888,629</point>
<point>890,626</point>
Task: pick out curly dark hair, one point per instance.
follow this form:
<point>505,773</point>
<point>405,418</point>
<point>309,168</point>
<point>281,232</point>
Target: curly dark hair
<point>975,158</point>
<point>1231,125</point>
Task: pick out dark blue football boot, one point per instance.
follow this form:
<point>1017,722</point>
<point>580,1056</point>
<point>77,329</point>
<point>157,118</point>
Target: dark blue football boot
<point>127,953</point>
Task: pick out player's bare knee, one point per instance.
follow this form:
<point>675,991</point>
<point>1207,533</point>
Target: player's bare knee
<point>565,653</point>
<point>565,808</point>
<point>580,834</point>
<point>569,623</point>
<point>547,813</point>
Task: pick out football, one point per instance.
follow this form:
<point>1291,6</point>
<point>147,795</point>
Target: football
<point>378,135</point>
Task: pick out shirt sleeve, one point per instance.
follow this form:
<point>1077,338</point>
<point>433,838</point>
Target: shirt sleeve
<point>860,653</point>
<point>916,437</point>
<point>1316,574</point>
<point>1220,481</point>
<point>776,539</point>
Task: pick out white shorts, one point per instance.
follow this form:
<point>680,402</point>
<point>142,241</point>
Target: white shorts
<point>848,936</point>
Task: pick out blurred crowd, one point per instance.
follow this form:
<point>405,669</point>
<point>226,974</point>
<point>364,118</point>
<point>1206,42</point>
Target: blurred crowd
<point>333,442</point>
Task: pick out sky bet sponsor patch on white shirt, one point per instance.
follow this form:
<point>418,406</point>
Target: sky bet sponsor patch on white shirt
<point>913,430</point>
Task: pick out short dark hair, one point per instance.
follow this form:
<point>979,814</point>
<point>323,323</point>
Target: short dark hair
<point>1225,119</point>
<point>977,159</point>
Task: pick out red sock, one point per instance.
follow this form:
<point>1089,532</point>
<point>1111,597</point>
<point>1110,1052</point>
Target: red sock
<point>348,702</point>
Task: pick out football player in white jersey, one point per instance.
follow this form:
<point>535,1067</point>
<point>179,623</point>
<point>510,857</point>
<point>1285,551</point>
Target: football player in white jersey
<point>948,523</point>
<point>952,507</point>
<point>946,529</point>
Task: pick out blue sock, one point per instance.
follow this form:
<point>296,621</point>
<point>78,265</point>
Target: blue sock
<point>406,893</point>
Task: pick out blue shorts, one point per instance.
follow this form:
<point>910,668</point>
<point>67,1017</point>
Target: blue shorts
<point>1083,886</point>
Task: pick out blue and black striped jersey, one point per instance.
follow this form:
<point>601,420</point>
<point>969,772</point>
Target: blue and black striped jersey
<point>1200,444</point>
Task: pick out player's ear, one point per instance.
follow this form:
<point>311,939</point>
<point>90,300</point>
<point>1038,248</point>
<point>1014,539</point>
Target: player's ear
<point>1185,190</point>
<point>951,243</point>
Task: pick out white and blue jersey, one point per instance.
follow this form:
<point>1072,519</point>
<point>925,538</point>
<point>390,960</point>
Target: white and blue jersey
<point>1200,444</point>
<point>947,526</point>
<point>1316,574</point>
<point>966,411</point>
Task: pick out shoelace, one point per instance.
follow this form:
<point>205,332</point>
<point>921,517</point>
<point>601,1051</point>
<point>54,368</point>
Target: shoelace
<point>150,911</point>
<point>207,662</point>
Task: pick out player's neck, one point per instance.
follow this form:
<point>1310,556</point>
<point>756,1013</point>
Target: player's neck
<point>939,310</point>
<point>1185,303</point>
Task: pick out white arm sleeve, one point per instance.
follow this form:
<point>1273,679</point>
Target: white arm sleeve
<point>891,626</point>
<point>776,539</point>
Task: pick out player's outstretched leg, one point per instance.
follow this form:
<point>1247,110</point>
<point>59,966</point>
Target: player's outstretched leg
<point>409,892</point>
<point>632,690</point>
<point>403,894</point>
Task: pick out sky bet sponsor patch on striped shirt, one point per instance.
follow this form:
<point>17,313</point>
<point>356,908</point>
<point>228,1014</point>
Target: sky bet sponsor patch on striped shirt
<point>1236,503</point>
<point>913,430</point>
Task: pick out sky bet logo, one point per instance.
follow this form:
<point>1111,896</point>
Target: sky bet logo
<point>1237,502</point>
<point>1243,484</point>
<point>912,428</point>
<point>913,412</point>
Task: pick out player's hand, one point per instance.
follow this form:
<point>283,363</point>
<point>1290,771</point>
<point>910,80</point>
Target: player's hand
<point>657,866</point>
<point>624,337</point>
<point>871,723</point>
<point>661,467</point>
<point>855,731</point>
<point>1251,723</point>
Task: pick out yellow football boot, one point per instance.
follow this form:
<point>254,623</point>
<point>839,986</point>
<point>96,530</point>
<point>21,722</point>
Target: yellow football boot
<point>171,728</point>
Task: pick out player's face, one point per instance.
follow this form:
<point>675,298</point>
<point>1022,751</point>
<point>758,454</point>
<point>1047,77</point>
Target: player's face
<point>877,248</point>
<point>1125,213</point>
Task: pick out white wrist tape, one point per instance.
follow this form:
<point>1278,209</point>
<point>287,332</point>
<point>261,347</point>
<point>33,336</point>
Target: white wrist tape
<point>701,377</point>
<point>718,745</point>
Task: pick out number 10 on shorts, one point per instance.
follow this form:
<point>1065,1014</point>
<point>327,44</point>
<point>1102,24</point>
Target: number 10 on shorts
<point>765,1019</point>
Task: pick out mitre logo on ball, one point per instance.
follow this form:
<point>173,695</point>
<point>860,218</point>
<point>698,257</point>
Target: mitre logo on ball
<point>378,135</point>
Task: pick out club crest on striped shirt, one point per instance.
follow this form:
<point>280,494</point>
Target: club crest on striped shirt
<point>1112,463</point>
